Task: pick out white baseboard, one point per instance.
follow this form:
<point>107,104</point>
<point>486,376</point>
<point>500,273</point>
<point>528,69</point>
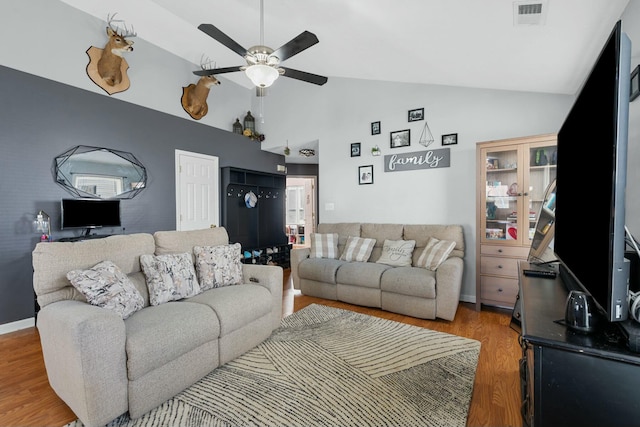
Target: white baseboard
<point>467,298</point>
<point>16,326</point>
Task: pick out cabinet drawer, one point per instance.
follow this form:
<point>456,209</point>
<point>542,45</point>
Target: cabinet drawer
<point>511,251</point>
<point>499,289</point>
<point>499,266</point>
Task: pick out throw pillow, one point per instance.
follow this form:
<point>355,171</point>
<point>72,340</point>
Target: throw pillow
<point>218,265</point>
<point>106,286</point>
<point>169,277</point>
<point>435,253</point>
<point>358,249</point>
<point>324,245</point>
<point>397,253</point>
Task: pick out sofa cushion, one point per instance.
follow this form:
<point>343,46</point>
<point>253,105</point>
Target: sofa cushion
<point>106,286</point>
<point>357,249</point>
<point>319,270</point>
<point>174,242</point>
<point>344,230</point>
<point>397,253</point>
<point>53,260</point>
<point>381,232</point>
<point>411,281</point>
<point>421,233</point>
<point>236,306</point>
<point>160,334</point>
<point>324,245</point>
<point>169,277</point>
<point>435,253</point>
<point>218,265</point>
<point>366,274</point>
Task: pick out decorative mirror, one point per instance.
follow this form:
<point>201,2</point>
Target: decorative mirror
<point>100,173</point>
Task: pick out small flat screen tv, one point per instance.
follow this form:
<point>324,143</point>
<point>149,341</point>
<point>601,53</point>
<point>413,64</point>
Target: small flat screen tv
<point>90,213</point>
<point>591,182</point>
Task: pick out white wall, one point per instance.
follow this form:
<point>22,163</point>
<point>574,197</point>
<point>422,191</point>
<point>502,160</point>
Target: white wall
<point>341,112</point>
<point>48,38</point>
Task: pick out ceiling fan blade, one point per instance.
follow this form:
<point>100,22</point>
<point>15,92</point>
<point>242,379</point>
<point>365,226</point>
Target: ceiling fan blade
<point>304,76</point>
<point>214,71</point>
<point>221,37</point>
<point>295,46</point>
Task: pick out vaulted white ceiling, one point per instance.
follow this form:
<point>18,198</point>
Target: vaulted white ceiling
<point>469,43</point>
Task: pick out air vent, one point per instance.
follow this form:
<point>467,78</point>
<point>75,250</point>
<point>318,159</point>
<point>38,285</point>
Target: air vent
<point>529,13</point>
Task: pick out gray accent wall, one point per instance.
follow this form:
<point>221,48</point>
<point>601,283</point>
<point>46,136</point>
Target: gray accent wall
<point>38,124</point>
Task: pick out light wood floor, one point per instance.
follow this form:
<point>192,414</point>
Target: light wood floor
<point>27,400</point>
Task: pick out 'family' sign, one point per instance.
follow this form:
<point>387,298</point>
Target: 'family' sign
<point>430,159</point>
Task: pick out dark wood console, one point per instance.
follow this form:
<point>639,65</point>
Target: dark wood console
<point>568,378</point>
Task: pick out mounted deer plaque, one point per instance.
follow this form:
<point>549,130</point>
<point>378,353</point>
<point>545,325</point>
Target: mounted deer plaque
<point>107,67</point>
<point>194,96</point>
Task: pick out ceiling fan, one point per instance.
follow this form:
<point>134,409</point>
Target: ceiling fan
<point>263,63</point>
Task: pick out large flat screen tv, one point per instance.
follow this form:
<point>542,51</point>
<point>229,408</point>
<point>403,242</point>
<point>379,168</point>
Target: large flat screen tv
<point>591,182</point>
<point>90,213</point>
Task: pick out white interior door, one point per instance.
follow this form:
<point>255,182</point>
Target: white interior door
<point>197,191</point>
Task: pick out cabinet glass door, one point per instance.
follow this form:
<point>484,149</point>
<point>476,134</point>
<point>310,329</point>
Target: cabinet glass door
<point>503,194</point>
<point>541,173</point>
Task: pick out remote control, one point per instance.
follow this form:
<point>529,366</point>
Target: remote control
<point>546,274</point>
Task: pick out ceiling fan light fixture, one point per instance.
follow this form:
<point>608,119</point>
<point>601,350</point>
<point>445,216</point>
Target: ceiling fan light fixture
<point>262,75</point>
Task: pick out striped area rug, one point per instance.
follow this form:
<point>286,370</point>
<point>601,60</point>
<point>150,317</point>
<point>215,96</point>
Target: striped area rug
<point>331,367</point>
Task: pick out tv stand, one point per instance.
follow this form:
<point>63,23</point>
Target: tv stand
<point>568,378</point>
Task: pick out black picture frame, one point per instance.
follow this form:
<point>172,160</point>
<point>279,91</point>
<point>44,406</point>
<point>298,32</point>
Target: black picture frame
<point>355,149</point>
<point>376,128</point>
<point>635,84</point>
<point>365,175</point>
<point>416,115</point>
<point>450,139</point>
<point>400,138</point>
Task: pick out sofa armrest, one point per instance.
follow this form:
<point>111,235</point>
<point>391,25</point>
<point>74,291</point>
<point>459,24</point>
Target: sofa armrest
<point>448,286</point>
<point>271,277</point>
<point>297,255</point>
<point>84,354</point>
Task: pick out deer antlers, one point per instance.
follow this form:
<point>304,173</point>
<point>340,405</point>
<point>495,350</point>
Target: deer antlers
<point>126,33</point>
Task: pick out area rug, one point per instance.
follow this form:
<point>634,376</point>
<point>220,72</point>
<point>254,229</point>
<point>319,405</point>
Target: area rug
<point>331,367</point>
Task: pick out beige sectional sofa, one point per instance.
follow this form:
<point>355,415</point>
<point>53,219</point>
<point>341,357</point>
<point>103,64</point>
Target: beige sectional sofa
<point>410,290</point>
<point>102,365</point>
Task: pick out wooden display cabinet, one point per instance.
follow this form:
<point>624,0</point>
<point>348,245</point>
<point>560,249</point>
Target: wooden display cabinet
<point>512,176</point>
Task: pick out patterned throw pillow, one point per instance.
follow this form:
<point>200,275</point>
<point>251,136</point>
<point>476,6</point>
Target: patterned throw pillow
<point>324,245</point>
<point>435,253</point>
<point>169,277</point>
<point>106,286</point>
<point>358,249</point>
<point>218,265</point>
<point>397,253</point>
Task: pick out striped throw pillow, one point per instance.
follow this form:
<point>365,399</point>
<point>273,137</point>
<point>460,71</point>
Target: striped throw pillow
<point>435,253</point>
<point>357,249</point>
<point>324,245</point>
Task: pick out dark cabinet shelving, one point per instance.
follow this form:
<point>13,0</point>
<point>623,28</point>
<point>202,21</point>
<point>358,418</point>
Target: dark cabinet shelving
<point>260,229</point>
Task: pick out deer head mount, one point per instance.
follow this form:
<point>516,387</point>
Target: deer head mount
<point>107,67</point>
<point>194,96</point>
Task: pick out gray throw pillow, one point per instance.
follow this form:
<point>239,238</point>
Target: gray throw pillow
<point>105,285</point>
<point>218,265</point>
<point>169,277</point>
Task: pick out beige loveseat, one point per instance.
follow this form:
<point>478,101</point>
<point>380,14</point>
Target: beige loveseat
<point>409,290</point>
<point>103,366</point>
